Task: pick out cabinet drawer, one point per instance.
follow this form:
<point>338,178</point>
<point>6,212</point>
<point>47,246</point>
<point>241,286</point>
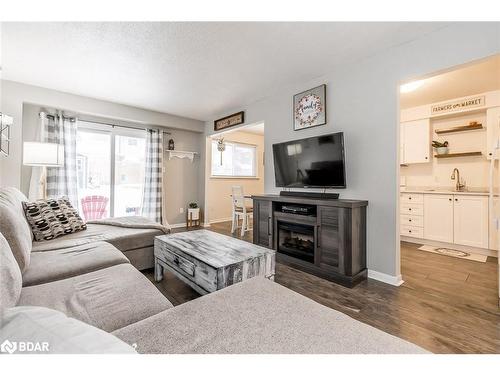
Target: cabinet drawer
<point>176,261</point>
<point>412,209</point>
<point>410,231</point>
<point>411,198</point>
<point>412,220</point>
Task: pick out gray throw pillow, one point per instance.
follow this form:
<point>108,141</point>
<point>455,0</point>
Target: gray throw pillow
<point>52,218</point>
<point>10,277</point>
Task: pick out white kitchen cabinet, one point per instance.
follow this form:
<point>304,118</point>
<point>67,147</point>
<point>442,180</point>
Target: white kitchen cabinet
<point>492,130</point>
<point>493,233</point>
<point>470,218</point>
<point>416,142</point>
<point>438,217</point>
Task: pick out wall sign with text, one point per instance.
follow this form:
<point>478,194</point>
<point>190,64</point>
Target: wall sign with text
<point>309,108</point>
<point>458,105</point>
<point>228,121</point>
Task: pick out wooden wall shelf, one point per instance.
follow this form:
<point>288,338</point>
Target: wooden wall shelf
<point>459,154</point>
<point>459,129</point>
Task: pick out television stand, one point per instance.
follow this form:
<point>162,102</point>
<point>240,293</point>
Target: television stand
<point>301,194</point>
<point>324,237</point>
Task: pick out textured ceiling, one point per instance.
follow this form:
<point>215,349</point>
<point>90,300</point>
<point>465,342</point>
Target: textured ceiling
<point>191,69</point>
<point>472,79</point>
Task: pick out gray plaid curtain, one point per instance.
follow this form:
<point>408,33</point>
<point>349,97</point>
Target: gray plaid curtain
<point>153,180</point>
<point>62,181</point>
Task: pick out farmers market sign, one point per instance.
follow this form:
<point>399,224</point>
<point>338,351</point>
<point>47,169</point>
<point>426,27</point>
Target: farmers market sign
<point>458,105</point>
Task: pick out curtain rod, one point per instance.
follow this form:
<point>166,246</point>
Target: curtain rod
<point>122,126</point>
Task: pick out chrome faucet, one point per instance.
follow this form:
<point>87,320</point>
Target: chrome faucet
<point>455,175</point>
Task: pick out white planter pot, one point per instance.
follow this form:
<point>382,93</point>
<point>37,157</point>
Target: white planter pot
<point>442,150</point>
<point>194,213</point>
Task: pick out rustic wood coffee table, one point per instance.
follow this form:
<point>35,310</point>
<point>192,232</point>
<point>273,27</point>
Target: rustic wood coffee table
<point>209,261</point>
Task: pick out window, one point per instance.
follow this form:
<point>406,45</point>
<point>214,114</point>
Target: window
<point>237,160</point>
<point>110,163</point>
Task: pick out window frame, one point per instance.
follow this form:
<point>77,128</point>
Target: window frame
<point>113,131</point>
<point>255,175</point>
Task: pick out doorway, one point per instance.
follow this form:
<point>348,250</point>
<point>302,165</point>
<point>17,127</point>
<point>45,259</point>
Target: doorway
<point>448,183</point>
<point>235,158</point>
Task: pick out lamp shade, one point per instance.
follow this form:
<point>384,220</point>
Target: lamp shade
<point>43,154</point>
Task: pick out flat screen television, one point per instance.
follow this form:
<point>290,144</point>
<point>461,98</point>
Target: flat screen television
<point>316,162</point>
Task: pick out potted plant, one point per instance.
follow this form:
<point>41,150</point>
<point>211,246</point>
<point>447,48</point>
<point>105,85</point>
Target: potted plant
<point>441,148</point>
<point>193,211</point>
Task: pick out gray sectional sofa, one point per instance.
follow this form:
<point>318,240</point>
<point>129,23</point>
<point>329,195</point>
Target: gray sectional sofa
<point>93,277</point>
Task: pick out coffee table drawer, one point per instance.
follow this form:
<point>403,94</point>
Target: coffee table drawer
<point>178,262</point>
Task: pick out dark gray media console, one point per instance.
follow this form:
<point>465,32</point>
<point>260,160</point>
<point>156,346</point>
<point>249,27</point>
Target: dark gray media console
<point>324,237</point>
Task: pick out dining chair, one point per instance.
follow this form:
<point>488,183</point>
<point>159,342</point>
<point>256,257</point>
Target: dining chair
<point>240,211</point>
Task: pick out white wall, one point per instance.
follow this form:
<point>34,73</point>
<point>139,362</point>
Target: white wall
<point>15,94</point>
<point>362,100</point>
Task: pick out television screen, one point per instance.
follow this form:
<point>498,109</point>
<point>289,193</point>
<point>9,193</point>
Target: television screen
<point>310,162</point>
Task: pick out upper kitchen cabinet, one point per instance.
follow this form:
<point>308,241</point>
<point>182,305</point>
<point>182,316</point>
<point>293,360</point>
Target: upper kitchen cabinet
<point>492,131</point>
<point>415,141</point>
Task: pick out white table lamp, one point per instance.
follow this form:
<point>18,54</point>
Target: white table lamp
<point>43,154</point>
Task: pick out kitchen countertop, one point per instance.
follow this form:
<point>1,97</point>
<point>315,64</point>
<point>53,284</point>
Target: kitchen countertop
<point>445,190</point>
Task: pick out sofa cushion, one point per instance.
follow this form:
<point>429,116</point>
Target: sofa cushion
<point>13,225</point>
<point>108,299</point>
<point>122,238</point>
<point>46,266</point>
<point>258,316</point>
<point>10,276</point>
<point>56,333</point>
<point>52,218</point>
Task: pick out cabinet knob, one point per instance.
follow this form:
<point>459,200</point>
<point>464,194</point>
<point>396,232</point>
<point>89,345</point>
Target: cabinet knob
<point>490,154</point>
<point>449,199</point>
<point>426,158</point>
<point>409,209</point>
<point>409,231</point>
<point>409,198</point>
<point>409,219</point>
<point>456,200</point>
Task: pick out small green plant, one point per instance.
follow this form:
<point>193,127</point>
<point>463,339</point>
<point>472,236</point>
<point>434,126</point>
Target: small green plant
<point>193,205</point>
<point>437,144</point>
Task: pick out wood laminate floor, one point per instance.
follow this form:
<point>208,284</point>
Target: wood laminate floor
<point>446,305</point>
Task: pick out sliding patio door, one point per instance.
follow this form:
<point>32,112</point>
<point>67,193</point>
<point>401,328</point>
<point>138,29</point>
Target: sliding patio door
<point>129,170</point>
<point>111,166</point>
<point>93,163</point>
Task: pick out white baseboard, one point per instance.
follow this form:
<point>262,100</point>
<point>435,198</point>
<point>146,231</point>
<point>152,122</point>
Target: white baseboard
<point>179,225</point>
<point>220,220</point>
<point>385,278</point>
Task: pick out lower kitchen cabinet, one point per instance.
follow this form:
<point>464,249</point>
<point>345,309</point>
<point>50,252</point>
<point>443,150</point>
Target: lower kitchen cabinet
<point>438,217</point>
<point>470,220</point>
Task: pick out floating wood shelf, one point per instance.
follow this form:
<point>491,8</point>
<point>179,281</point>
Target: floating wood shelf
<point>459,154</point>
<point>181,154</point>
<point>459,129</point>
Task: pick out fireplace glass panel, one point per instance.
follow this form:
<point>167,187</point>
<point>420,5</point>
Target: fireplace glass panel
<point>296,240</point>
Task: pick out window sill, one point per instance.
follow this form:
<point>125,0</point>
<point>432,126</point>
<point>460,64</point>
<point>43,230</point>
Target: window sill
<point>234,178</point>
